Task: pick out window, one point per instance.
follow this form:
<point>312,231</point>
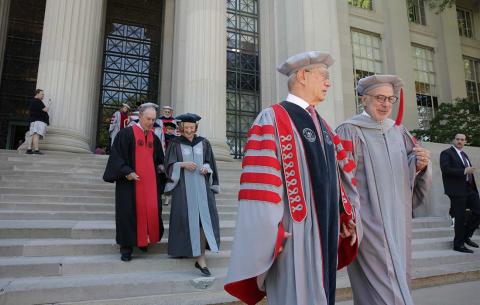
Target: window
<point>243,71</point>
<point>416,11</point>
<point>366,4</point>
<point>472,79</point>
<point>425,85</point>
<point>131,59</point>
<point>465,23</point>
<point>366,58</point>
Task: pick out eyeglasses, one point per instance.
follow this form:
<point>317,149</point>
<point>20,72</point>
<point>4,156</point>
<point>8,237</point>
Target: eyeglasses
<point>382,98</point>
<point>324,74</point>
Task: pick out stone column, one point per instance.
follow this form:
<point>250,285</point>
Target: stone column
<point>199,67</point>
<point>4,12</point>
<point>298,26</point>
<point>398,54</point>
<point>69,71</point>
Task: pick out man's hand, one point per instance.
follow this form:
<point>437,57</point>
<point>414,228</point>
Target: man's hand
<point>469,170</point>
<point>285,236</point>
<point>204,171</point>
<point>133,176</point>
<point>349,231</point>
<point>191,166</point>
<point>423,157</point>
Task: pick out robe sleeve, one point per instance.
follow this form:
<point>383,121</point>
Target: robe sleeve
<point>259,231</point>
<point>173,159</point>
<point>351,143</point>
<point>118,165</point>
<point>211,165</point>
<point>419,182</point>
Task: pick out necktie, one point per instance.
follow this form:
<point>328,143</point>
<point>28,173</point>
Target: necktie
<point>314,116</point>
<point>465,162</point>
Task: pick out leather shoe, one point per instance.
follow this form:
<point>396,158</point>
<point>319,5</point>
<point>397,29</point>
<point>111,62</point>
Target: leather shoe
<point>462,249</point>
<point>203,270</point>
<point>471,243</point>
<point>126,257</point>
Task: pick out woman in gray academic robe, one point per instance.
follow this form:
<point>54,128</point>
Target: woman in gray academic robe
<point>193,207</point>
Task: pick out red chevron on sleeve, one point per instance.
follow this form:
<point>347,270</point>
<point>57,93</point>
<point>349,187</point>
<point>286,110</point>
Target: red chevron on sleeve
<point>261,161</point>
<point>261,178</point>
<point>347,145</point>
<point>259,195</point>
<point>260,144</point>
<point>261,130</point>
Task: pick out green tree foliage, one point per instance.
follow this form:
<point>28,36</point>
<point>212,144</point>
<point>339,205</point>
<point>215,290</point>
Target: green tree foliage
<point>462,116</point>
<point>440,5</point>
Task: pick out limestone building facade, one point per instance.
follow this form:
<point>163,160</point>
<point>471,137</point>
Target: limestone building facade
<point>217,58</point>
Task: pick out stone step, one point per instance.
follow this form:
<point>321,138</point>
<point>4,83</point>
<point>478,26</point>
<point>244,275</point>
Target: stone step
<point>225,199</point>
<point>35,229</point>
<point>430,222</point>
<point>59,191</point>
<point>93,207</point>
<point>439,243</point>
<point>41,290</point>
<point>155,260</point>
<point>442,257</point>
<point>432,232</point>
<point>78,247</point>
<point>83,215</point>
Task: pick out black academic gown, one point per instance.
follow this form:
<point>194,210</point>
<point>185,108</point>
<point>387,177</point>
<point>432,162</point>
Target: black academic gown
<point>121,163</point>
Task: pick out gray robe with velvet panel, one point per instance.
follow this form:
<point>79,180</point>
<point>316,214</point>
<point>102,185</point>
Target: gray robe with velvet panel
<point>193,205</point>
<point>389,188</point>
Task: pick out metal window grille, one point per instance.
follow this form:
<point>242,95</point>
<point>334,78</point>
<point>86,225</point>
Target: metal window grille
<point>243,71</point>
<point>367,59</point>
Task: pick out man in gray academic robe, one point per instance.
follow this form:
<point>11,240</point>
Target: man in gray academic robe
<point>393,175</point>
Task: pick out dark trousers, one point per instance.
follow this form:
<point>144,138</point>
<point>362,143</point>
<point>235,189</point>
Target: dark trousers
<point>126,249</point>
<point>464,229</point>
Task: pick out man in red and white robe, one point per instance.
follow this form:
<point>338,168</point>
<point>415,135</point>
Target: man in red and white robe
<point>135,165</point>
<point>295,224</point>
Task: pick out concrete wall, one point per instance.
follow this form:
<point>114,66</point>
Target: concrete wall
<point>438,203</point>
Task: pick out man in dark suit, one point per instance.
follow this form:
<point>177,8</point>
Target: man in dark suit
<point>460,187</point>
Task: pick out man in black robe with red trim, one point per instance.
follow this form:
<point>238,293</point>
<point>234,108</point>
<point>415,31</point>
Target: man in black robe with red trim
<point>136,166</point>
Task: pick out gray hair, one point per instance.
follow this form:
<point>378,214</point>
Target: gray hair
<point>293,77</point>
<point>144,108</point>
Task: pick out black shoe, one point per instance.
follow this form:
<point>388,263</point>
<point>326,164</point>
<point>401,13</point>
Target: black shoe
<point>126,257</point>
<point>462,249</point>
<point>143,249</point>
<point>37,152</point>
<point>471,243</point>
<point>29,152</point>
<point>203,270</point>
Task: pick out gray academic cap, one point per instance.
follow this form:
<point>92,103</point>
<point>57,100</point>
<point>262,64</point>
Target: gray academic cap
<point>373,81</point>
<point>167,107</point>
<point>188,117</point>
<point>301,60</point>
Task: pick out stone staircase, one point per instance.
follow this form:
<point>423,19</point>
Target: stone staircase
<point>57,242</point>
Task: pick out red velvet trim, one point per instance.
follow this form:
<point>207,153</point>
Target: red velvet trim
<point>261,130</point>
<point>341,155</point>
<point>279,241</point>
<point>146,202</point>
<point>246,290</point>
<point>346,253</point>
<point>259,145</point>
<point>336,139</point>
<point>259,195</point>
<point>261,161</point>
<point>354,181</point>
<point>349,166</point>
<point>347,145</point>
<point>262,178</point>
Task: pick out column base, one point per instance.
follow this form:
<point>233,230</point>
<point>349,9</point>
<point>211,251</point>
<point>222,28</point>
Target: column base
<point>220,150</point>
<point>63,139</point>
